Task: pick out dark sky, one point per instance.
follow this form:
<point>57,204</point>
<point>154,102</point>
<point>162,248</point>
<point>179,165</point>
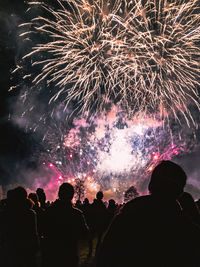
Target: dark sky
<point>16,146</point>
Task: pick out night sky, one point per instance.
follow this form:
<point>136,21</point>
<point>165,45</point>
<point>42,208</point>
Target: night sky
<point>17,146</point>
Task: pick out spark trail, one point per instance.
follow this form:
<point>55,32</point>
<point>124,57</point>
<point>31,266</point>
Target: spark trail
<point>143,55</point>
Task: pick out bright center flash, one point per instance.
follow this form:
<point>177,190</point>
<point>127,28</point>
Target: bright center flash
<point>121,156</point>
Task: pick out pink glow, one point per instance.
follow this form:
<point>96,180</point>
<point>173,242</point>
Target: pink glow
<point>156,156</point>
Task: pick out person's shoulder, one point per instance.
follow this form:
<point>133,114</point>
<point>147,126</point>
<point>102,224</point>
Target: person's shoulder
<point>136,203</point>
<point>138,200</point>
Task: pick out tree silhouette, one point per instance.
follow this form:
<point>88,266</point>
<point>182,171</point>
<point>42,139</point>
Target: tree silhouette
<point>130,194</point>
<point>79,189</point>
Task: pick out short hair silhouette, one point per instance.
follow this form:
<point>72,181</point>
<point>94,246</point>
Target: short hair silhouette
<point>20,193</point>
<point>66,191</point>
<point>99,195</point>
<point>42,197</point>
<point>86,201</point>
<point>40,191</point>
<point>41,194</point>
<point>112,202</point>
<point>167,178</point>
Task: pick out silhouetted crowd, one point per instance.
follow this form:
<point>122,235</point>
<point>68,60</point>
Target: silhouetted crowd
<point>161,229</point>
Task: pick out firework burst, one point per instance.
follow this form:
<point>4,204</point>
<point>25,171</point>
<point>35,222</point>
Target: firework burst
<point>110,152</point>
<point>143,55</point>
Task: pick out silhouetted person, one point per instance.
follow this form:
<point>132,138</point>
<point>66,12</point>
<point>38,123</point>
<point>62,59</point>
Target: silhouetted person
<point>87,211</point>
<point>99,218</point>
<point>65,226</point>
<point>39,211</point>
<point>112,209</point>
<point>18,231</point>
<point>4,202</point>
<point>78,204</point>
<point>42,198</point>
<point>189,207</point>
<point>152,230</point>
<point>86,205</point>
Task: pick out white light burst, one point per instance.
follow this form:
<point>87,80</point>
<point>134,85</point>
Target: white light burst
<point>143,55</point>
<point>121,157</point>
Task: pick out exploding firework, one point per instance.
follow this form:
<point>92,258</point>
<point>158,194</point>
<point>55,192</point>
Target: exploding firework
<point>143,55</point>
<point>110,152</point>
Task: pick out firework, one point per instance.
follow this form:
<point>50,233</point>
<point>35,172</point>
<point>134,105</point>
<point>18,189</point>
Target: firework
<point>110,152</point>
<point>143,55</point>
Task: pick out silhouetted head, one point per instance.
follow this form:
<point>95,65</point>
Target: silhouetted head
<point>168,178</point>
<point>94,200</point>
<point>41,195</point>
<point>20,194</point>
<point>40,191</point>
<point>112,202</point>
<point>66,192</point>
<point>34,197</point>
<point>86,201</point>
<point>17,197</point>
<point>78,202</point>
<point>99,195</point>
